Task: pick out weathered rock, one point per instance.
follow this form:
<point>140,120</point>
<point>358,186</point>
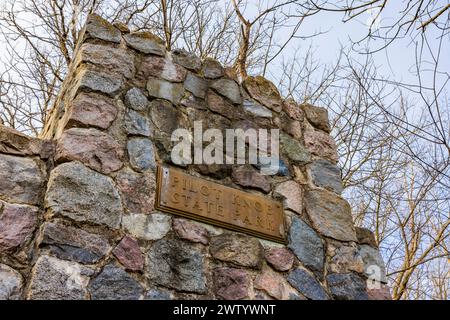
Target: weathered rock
<point>317,116</point>
<point>218,104</point>
<point>321,144</point>
<point>267,166</point>
<point>347,286</point>
<point>129,254</point>
<point>250,178</point>
<point>16,143</point>
<point>307,246</point>
<point>373,263</point>
<point>281,259</point>
<point>113,283</point>
<point>292,195</point>
<point>191,101</point>
<point>294,128</point>
<point>293,110</point>
<point>273,284</point>
<point>158,294</point>
<point>196,85</point>
<point>191,231</point>
<point>330,215</point>
<point>263,91</point>
<point>136,124</point>
<point>17,224</point>
<point>99,28</point>
<point>165,116</point>
<point>188,60</point>
<point>137,190</point>
<point>107,59</point>
<point>145,42</point>
<point>91,110</point>
<point>344,258</point>
<point>147,227</point>
<point>121,26</point>
<point>231,283</point>
<point>238,249</point>
<point>256,109</point>
<point>22,179</point>
<point>136,100</point>
<point>69,243</point>
<point>91,80</point>
<point>165,90</point>
<point>141,153</point>
<point>294,150</point>
<point>157,67</point>
<point>307,285</point>
<point>54,279</point>
<point>365,236</point>
<point>177,265</point>
<point>11,283</point>
<point>379,291</point>
<point>83,195</point>
<point>212,69</point>
<point>229,89</point>
<point>326,175</point>
<point>94,148</point>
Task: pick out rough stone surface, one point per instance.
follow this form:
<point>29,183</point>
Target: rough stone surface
<point>320,144</point>
<point>129,254</point>
<point>294,128</point>
<point>163,68</point>
<point>238,249</point>
<point>145,42</point>
<point>292,195</point>
<point>373,263</point>
<point>15,143</point>
<point>274,284</point>
<point>191,231</point>
<point>91,110</point>
<point>11,283</point>
<point>196,85</point>
<point>380,291</point>
<point>141,153</point>
<point>231,283</point>
<point>294,149</point>
<point>317,116</point>
<point>307,246</point>
<point>136,100</point>
<point>280,259</point>
<point>69,243</point>
<point>147,227</point>
<point>186,59</point>
<point>22,180</point>
<point>347,286</point>
<point>177,265</point>
<point>99,28</point>
<point>17,224</point>
<point>263,91</point>
<point>54,279</point>
<point>365,236</point>
<point>293,110</point>
<point>108,59</point>
<point>137,190</point>
<point>83,195</point>
<point>158,294</point>
<point>90,80</point>
<point>250,178</point>
<point>256,109</point>
<point>330,215</point>
<point>165,90</point>
<point>136,124</point>
<point>326,175</point>
<point>344,258</point>
<point>229,89</point>
<point>113,283</point>
<point>307,285</point>
<point>164,116</point>
<point>95,149</point>
<point>212,69</point>
<point>218,104</point>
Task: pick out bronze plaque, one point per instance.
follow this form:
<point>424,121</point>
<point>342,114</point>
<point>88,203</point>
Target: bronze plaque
<point>213,203</point>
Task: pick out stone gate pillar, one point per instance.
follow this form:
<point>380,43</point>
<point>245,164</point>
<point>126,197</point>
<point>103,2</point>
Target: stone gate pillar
<point>78,217</point>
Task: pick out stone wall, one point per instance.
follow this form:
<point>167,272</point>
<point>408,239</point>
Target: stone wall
<point>77,217</point>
